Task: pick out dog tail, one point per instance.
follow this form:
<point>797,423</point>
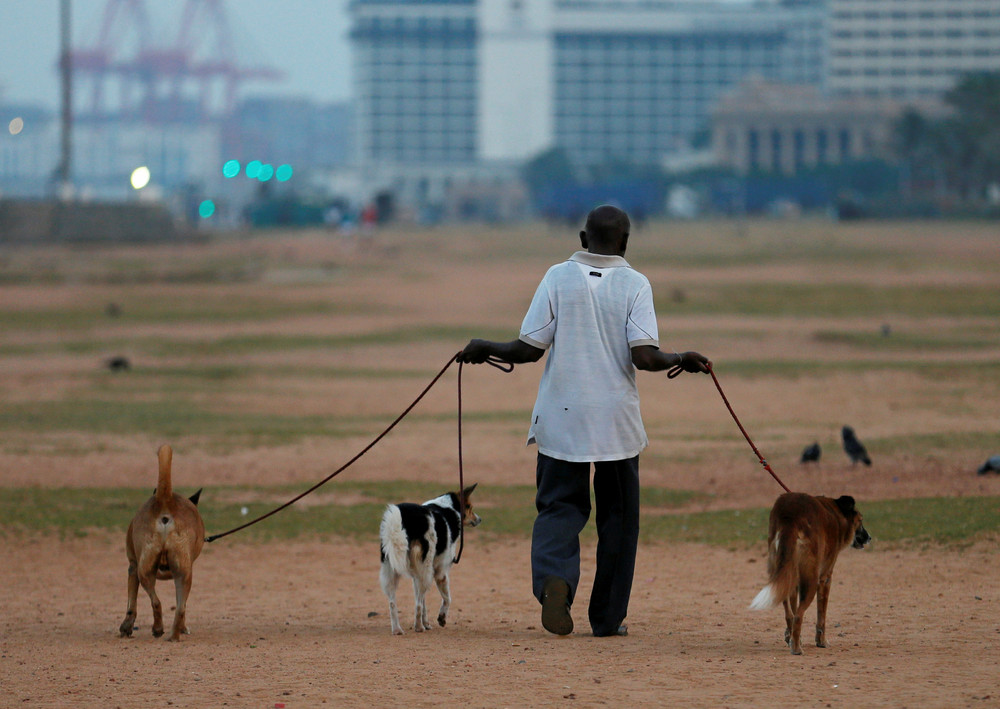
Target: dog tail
<point>164,489</point>
<point>782,567</point>
<point>764,600</point>
<point>395,546</point>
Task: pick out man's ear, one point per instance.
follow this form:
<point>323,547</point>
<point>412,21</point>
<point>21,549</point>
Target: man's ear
<point>624,244</point>
<point>583,240</point>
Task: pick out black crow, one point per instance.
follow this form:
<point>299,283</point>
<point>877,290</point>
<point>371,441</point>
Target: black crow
<point>852,446</point>
<point>992,465</point>
<point>118,364</point>
<point>810,454</point>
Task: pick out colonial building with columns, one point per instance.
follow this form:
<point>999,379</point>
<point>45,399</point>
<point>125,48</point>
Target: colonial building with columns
<point>784,128</point>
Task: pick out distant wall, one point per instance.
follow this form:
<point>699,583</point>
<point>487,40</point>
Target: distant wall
<point>50,222</point>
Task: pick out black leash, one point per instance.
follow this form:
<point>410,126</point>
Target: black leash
<point>493,361</point>
<point>503,366</point>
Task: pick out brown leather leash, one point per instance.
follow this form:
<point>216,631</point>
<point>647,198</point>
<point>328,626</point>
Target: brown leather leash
<point>674,371</point>
<point>493,361</point>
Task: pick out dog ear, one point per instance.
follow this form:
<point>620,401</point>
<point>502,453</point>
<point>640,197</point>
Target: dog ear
<point>194,497</point>
<point>845,503</point>
<point>468,491</point>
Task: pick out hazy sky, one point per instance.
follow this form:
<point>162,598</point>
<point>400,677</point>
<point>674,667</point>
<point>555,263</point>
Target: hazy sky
<point>307,39</point>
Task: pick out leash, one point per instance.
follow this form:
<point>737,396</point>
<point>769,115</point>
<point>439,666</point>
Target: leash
<point>676,370</point>
<point>503,366</point>
<point>493,361</point>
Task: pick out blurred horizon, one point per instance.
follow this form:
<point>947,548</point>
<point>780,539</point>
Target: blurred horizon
<point>308,42</point>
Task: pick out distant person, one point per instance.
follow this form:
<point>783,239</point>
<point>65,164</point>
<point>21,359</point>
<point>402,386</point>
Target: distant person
<point>595,315</point>
<point>369,220</point>
<point>333,216</point>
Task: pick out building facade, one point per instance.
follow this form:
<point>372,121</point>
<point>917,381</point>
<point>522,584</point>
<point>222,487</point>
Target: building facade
<point>444,87</point>
<point>910,48</point>
<point>635,82</point>
<point>783,128</point>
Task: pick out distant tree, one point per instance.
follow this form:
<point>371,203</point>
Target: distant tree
<point>917,146</point>
<point>957,156</point>
<point>976,103</point>
<point>551,167</point>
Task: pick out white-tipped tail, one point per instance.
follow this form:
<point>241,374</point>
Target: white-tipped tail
<point>393,537</point>
<point>764,600</point>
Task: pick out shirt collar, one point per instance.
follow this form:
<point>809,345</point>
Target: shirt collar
<point>599,260</point>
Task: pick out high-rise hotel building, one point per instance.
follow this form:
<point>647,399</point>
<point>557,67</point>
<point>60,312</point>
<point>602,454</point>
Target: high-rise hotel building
<point>907,49</point>
<point>446,87</point>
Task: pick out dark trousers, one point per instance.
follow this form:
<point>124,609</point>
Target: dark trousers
<point>563,504</point>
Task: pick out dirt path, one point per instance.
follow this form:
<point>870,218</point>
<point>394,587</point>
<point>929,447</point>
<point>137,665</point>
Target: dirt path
<point>304,624</point>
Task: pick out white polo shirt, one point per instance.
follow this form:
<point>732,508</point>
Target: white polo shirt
<point>589,312</point>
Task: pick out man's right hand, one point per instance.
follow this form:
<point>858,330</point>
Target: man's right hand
<point>476,352</point>
<point>513,352</point>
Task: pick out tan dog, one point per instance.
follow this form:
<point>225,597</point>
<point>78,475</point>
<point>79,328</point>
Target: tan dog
<point>805,536</point>
<point>162,542</point>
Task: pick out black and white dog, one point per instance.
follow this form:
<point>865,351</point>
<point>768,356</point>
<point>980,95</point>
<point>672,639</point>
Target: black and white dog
<point>419,541</point>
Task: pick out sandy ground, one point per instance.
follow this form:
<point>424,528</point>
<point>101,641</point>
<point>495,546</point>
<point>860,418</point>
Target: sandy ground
<point>304,624</point>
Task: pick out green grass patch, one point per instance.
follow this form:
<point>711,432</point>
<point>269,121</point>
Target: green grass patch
<point>178,309</point>
<point>264,342</point>
<point>935,520</point>
<point>351,509</point>
<point>980,373</point>
<point>908,341</point>
<point>944,442</point>
<point>834,300</point>
<point>174,418</point>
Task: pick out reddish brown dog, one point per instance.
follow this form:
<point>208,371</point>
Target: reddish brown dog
<point>162,542</point>
<point>805,536</point>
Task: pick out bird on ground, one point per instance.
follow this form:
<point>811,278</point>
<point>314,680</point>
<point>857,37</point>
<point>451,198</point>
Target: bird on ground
<point>853,447</point>
<point>810,454</point>
<point>118,364</point>
<point>992,465</point>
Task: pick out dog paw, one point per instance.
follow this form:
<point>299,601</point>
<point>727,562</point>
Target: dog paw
<point>398,632</point>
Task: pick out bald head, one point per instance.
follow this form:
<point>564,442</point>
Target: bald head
<point>606,231</point>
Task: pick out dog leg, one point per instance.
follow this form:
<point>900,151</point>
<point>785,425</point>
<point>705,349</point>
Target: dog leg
<point>146,570</point>
<point>444,588</point>
<point>125,630</point>
<point>419,612</point>
<point>182,587</point>
<point>389,580</point>
<point>789,616</point>
<point>822,597</point>
<point>149,584</point>
<point>793,619</point>
<point>805,599</point>
<point>425,585</point>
